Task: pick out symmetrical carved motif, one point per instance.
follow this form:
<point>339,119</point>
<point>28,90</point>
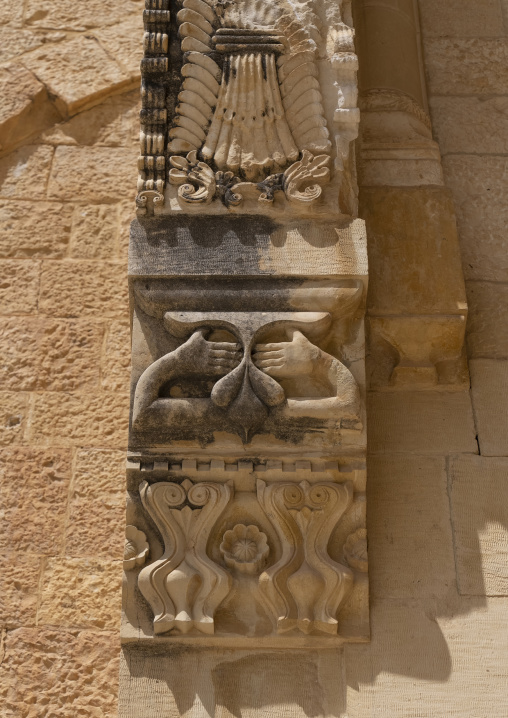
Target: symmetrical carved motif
<point>185,586</point>
<point>245,549</point>
<point>305,587</point>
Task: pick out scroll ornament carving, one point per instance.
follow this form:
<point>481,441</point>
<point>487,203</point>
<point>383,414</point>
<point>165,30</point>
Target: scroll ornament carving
<point>184,587</point>
<point>305,587</point>
<point>136,548</point>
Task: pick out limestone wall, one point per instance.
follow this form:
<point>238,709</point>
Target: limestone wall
<point>439,459</point>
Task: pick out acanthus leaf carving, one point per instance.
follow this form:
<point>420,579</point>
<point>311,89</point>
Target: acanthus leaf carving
<point>305,587</point>
<point>184,587</point>
<point>196,179</point>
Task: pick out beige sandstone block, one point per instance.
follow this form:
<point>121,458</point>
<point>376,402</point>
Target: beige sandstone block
<point>11,13</point>
<point>431,660</point>
<point>405,228</point>
<point>34,229</point>
<point>479,501</point>
<point>19,286</point>
<point>461,18</point>
<point>19,582</point>
<point>25,110</point>
<point>24,173</point>
<point>116,357</point>
<point>15,41</point>
<point>35,484</point>
<point>105,174</point>
<point>94,232</point>
<point>48,354</point>
<point>125,216</point>
<point>96,524</point>
<point>487,335</point>
<point>77,72</point>
<point>467,66</point>
<point>115,122</point>
<point>59,673</point>
<point>410,538</point>
<point>77,289</point>
<point>479,186</point>
<point>98,419</point>
<point>123,42</point>
<point>14,410</point>
<point>80,593</point>
<point>471,124</point>
<point>428,422</point>
<point>67,15</point>
<point>489,385</point>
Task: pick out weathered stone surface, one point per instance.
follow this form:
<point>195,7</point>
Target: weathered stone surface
<point>421,423</point>
<point>122,41</point>
<point>80,419</point>
<point>84,288</point>
<point>467,66</point>
<point>116,360</point>
<point>59,673</point>
<point>35,485</point>
<point>19,287</point>
<point>476,125</point>
<point>29,229</point>
<point>442,659</point>
<point>461,18</point>
<point>106,174</point>
<point>24,173</point>
<point>47,354</point>
<point>19,582</point>
<point>80,593</point>
<point>14,41</point>
<point>489,385</point>
<point>77,73</point>
<point>112,123</point>
<point>65,15</point>
<point>487,335</point>
<point>479,504</point>
<point>480,185</point>
<point>410,540</point>
<point>11,13</point>
<point>405,227</point>
<point>14,408</point>
<point>94,232</point>
<point>97,505</point>
<point>26,109</point>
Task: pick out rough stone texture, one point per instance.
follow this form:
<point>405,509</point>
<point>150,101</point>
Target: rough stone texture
<point>470,124</point>
<point>397,419</point>
<point>22,234</point>
<point>479,504</point>
<point>487,327</point>
<point>16,41</point>
<point>60,673</point>
<point>14,408</point>
<point>77,73</point>
<point>11,13</point>
<point>94,232</point>
<point>489,384</point>
<point>26,109</point>
<point>24,173</point>
<point>113,123</point>
<point>80,593</point>
<point>80,289</point>
<point>410,540</point>
<point>467,66</point>
<point>97,505</point>
<point>47,354</point>
<point>461,18</point>
<point>66,15</point>
<point>19,286</point>
<point>122,41</point>
<point>98,419</point>
<point>35,484</point>
<point>480,186</point>
<point>116,361</point>
<point>19,582</point>
<point>105,175</point>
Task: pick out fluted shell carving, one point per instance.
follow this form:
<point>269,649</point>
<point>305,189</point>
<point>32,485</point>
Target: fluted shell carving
<point>250,102</point>
<point>245,549</point>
